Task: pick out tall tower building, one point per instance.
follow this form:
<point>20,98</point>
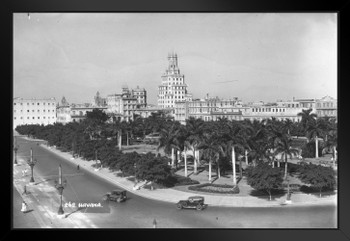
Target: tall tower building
<point>173,87</point>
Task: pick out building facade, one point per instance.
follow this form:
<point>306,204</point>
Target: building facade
<point>123,106</point>
<point>209,109</point>
<point>327,106</point>
<point>98,100</point>
<point>78,111</point>
<point>147,111</point>
<point>34,111</point>
<point>173,87</point>
<point>141,96</point>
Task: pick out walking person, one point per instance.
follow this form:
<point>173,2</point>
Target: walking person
<point>24,207</point>
<point>25,190</point>
<point>78,167</point>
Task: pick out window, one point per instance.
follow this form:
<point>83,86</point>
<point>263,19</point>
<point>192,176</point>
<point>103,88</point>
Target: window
<point>33,117</point>
<point>38,117</point>
<point>27,118</point>
<point>38,103</point>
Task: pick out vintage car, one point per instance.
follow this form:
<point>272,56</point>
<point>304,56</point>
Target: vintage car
<point>152,138</point>
<point>196,202</point>
<point>117,195</point>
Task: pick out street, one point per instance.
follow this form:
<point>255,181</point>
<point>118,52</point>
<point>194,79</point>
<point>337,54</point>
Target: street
<point>138,212</point>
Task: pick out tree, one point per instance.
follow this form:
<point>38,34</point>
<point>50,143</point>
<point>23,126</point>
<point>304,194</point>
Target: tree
<point>97,115</point>
<point>211,149</point>
<point>316,129</point>
<point>264,178</point>
<point>168,140</point>
<point>306,118</point>
<point>153,168</point>
<point>284,148</point>
<point>318,176</point>
<point>332,143</point>
<point>126,163</point>
<point>194,128</point>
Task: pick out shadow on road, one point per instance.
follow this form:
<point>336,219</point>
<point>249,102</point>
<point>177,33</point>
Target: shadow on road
<point>263,195</point>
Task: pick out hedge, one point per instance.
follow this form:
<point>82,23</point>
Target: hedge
<point>224,189</point>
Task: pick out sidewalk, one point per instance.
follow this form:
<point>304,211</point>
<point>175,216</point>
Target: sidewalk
<point>173,196</point>
<point>43,201</point>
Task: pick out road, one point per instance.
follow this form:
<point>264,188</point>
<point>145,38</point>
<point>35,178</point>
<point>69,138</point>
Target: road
<point>138,212</point>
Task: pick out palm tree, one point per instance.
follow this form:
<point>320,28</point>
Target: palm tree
<point>284,148</point>
<point>316,129</point>
<point>168,142</point>
<point>332,143</point>
<point>274,132</point>
<point>288,125</point>
<point>194,128</point>
<point>211,149</point>
<point>306,118</point>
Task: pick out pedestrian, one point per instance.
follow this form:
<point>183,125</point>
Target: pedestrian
<point>25,190</point>
<point>78,167</point>
<point>24,207</point>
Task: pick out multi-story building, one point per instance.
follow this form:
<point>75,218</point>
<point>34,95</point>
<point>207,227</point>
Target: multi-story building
<point>148,110</point>
<point>141,96</point>
<point>306,103</point>
<point>173,87</point>
<point>326,106</point>
<point>74,112</point>
<point>123,106</point>
<point>233,109</point>
<point>78,111</point>
<point>267,111</point>
<point>34,111</point>
<point>98,100</point>
<point>209,109</point>
<point>63,112</point>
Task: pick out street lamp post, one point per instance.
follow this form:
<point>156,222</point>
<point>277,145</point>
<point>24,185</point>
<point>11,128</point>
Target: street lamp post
<point>31,162</point>
<point>135,174</point>
<point>15,148</point>
<point>60,186</point>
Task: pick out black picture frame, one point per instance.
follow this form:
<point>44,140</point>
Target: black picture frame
<point>340,7</point>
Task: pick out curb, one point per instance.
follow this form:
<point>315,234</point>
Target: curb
<point>279,204</point>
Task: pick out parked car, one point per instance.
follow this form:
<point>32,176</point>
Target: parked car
<point>196,202</point>
<point>117,195</point>
<point>152,138</point>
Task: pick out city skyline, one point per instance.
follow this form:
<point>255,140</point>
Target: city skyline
<point>252,56</point>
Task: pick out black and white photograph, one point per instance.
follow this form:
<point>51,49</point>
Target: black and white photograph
<point>175,120</point>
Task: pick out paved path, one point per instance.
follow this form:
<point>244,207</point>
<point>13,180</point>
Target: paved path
<point>43,202</point>
<point>173,196</point>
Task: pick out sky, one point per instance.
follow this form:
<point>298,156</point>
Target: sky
<point>252,56</point>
